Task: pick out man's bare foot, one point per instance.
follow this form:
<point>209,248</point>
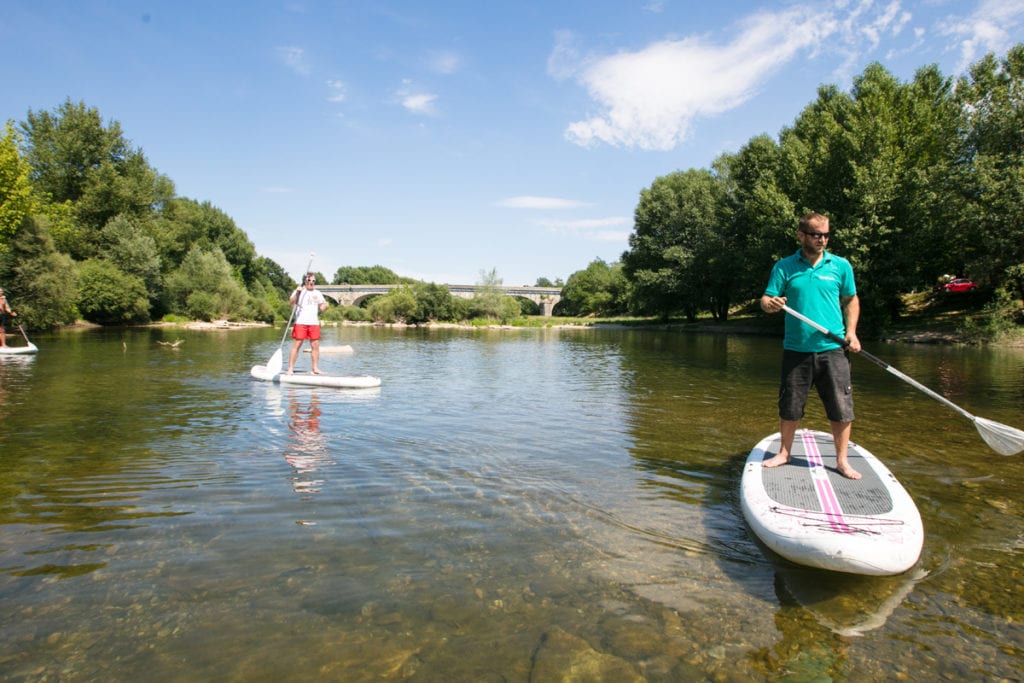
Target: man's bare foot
<point>848,471</point>
<point>316,371</point>
<point>776,460</point>
<point>289,371</point>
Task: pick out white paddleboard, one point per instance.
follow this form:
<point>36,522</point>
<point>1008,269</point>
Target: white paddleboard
<point>308,379</point>
<point>18,350</point>
<point>811,515</point>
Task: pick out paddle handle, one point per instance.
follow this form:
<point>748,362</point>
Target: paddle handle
<point>877,361</point>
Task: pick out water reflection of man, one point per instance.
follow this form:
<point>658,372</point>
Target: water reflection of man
<point>307,452</point>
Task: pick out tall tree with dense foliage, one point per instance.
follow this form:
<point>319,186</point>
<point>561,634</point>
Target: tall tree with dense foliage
<point>680,247</point>
<point>205,287</point>
<point>16,200</point>
<point>109,296</point>
<point>991,99</point>
<point>76,158</point>
<point>185,223</point>
<point>368,275</point>
<point>39,277</point>
<point>601,289</point>
<point>761,212</point>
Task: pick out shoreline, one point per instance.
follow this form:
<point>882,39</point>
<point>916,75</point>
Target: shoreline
<point>727,328</point>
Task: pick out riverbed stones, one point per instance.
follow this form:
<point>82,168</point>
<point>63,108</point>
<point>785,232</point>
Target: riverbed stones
<point>561,656</point>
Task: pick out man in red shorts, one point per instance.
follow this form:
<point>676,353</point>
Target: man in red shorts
<point>309,302</point>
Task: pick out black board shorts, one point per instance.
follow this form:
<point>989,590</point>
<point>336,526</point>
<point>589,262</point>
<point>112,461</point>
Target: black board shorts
<point>828,372</point>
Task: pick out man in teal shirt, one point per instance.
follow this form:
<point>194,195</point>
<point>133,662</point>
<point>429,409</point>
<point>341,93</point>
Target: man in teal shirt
<point>821,286</point>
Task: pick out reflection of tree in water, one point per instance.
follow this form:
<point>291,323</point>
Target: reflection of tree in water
<point>306,452</point>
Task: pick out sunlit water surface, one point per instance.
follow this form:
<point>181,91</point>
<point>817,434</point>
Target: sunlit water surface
<point>509,505</point>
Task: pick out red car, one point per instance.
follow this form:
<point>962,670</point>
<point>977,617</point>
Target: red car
<point>961,284</point>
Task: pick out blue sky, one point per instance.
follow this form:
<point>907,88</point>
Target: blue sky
<point>447,139</point>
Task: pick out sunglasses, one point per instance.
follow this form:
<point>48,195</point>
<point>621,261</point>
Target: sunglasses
<point>816,235</point>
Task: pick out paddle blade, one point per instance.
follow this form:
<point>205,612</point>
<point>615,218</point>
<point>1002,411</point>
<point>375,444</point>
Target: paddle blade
<point>275,363</point>
<point>1002,438</point>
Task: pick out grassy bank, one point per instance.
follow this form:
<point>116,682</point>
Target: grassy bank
<point>928,317</point>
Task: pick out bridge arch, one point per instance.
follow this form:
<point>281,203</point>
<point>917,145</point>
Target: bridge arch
<point>352,295</point>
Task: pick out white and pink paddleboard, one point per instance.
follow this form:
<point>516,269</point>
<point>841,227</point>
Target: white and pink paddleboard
<point>19,350</point>
<point>266,374</point>
<point>811,515</point>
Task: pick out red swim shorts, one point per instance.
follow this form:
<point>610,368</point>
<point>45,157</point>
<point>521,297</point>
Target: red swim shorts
<point>310,332</point>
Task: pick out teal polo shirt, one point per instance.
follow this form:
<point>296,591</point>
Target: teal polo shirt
<point>815,292</point>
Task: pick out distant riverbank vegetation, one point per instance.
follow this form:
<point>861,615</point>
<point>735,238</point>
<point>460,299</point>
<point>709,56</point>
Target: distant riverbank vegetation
<point>922,179</point>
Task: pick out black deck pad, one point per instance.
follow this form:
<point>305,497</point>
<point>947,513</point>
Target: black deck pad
<point>793,486</point>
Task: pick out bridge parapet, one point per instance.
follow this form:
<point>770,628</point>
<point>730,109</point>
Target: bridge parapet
<point>353,295</point>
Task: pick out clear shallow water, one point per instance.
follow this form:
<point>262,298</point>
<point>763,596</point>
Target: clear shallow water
<point>509,505</point>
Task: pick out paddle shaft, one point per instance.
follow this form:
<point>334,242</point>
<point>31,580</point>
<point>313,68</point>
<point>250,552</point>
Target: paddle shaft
<point>879,362</point>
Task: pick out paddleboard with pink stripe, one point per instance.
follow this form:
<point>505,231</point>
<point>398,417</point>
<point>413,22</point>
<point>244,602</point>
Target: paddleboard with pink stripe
<point>811,515</point>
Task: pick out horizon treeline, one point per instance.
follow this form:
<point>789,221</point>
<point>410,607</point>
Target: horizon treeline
<point>920,179</point>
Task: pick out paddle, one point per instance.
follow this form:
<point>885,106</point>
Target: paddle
<point>276,362</point>
<point>24,335</point>
<point>1002,438</point>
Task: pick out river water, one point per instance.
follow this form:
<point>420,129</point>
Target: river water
<point>510,505</point>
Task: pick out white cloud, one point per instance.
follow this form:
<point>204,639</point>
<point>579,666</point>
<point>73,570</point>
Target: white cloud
<point>295,59</point>
<point>529,202</point>
<point>992,27</point>
<point>444,62</point>
<point>652,96</point>
<point>565,60</point>
<point>598,229</point>
<point>419,103</point>
<point>336,89</point>
<point>416,101</point>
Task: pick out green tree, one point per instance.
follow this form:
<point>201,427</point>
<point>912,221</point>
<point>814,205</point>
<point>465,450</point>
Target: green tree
<point>205,287</point>
<point>109,296</point>
<point>679,255</point>
<point>133,251</point>
<point>270,272</point>
<point>490,301</point>
<point>368,275</point>
<point>76,158</point>
<point>187,223</point>
<point>601,289</point>
<point>16,199</point>
<point>40,279</point>
<point>397,306</point>
<point>433,303</point>
<point>991,172</point>
<point>763,216</point>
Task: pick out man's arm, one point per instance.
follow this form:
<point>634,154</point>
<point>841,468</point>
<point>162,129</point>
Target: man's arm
<point>851,316</point>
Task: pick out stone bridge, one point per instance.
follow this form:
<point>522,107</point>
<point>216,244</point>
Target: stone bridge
<point>353,295</point>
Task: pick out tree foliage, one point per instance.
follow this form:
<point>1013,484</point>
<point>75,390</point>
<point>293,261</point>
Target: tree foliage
<point>16,200</point>
<point>919,178</point>
<point>911,174</point>
<point>368,275</point>
<point>205,287</point>
<point>599,290</point>
<point>108,295</point>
